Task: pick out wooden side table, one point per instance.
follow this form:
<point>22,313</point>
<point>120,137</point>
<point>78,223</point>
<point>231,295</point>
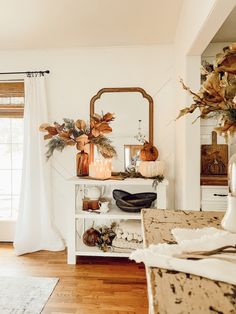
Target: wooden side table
<point>173,292</point>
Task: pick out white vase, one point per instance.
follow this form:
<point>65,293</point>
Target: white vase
<point>229,220</point>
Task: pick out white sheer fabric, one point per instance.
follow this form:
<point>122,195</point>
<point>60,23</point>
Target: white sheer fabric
<point>34,229</point>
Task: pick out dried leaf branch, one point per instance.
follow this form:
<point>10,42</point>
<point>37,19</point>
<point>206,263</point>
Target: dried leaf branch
<point>78,133</point>
<point>216,97</point>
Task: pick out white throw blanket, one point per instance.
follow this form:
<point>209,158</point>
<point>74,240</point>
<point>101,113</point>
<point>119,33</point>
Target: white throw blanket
<point>162,255</point>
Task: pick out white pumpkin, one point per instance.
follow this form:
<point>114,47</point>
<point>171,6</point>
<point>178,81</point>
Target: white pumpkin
<point>151,169</point>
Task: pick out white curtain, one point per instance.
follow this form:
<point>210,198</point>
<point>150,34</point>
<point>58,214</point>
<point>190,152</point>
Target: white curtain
<point>35,229</point>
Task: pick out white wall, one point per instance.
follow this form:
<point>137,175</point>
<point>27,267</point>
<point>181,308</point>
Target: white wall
<point>198,23</point>
<point>191,19</point>
<point>76,75</point>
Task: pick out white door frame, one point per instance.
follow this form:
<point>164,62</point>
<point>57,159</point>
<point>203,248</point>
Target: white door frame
<point>187,192</point>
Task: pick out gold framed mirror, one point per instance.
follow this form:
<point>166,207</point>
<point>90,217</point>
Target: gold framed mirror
<point>133,108</point>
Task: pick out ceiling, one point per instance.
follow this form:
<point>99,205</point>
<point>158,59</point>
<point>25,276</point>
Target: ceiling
<point>33,24</point>
<point>227,32</point>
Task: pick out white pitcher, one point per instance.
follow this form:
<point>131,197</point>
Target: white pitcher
<point>104,207</point>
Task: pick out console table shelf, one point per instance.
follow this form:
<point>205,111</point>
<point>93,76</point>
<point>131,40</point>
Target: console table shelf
<point>84,250</point>
<point>114,213</point>
<point>128,181</point>
<point>79,218</point>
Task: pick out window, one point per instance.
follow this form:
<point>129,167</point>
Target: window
<point>11,146</point>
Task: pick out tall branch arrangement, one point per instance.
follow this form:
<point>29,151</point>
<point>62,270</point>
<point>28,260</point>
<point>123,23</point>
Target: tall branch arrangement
<point>217,95</point>
<point>78,133</point>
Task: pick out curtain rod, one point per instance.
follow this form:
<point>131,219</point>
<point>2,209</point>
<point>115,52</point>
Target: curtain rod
<point>27,72</point>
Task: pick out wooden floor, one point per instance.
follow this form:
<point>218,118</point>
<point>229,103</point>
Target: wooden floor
<point>93,286</point>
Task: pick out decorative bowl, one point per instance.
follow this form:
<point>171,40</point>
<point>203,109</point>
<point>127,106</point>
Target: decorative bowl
<point>133,202</point>
<point>140,198</point>
<point>117,194</point>
<point>130,209</point>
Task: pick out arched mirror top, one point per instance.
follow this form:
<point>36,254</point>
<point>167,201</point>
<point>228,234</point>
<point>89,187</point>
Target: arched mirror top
<point>133,109</point>
<point>127,90</point>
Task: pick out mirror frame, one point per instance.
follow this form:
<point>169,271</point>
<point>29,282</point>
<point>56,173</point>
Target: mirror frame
<point>123,90</point>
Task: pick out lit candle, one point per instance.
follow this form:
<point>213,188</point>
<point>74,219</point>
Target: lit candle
<point>100,169</point>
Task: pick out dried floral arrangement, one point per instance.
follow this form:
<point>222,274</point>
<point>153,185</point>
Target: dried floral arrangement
<point>107,235</point>
<point>101,236</point>
<point>217,95</point>
<point>78,133</point>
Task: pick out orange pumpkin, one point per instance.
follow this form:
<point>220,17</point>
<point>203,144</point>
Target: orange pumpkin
<point>91,236</point>
<point>149,152</point>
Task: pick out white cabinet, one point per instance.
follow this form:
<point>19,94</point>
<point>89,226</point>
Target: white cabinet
<point>80,220</point>
<point>214,198</point>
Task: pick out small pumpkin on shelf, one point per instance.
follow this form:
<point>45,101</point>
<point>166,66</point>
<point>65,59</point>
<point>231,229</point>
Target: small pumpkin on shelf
<point>151,169</point>
<point>149,152</point>
<point>91,237</point>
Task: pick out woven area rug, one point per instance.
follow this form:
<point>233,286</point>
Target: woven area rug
<point>26,295</point>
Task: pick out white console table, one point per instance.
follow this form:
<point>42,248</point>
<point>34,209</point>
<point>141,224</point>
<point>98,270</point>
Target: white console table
<point>78,217</point>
